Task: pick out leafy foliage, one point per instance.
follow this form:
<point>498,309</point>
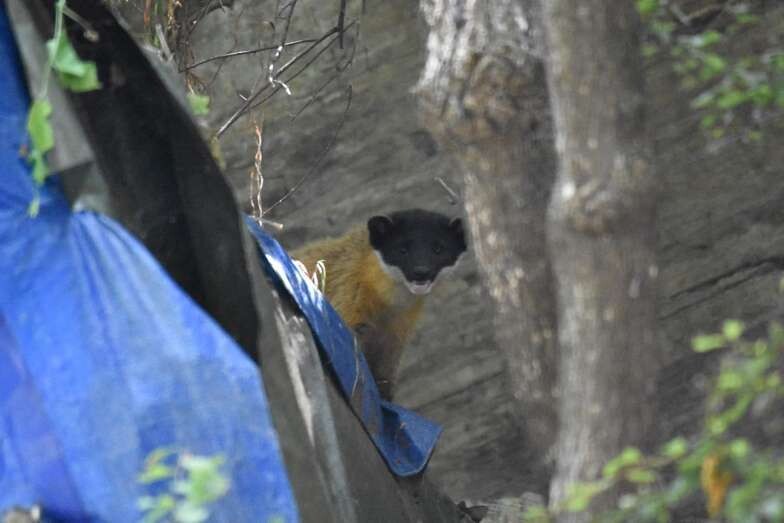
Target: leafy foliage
<point>200,103</point>
<point>732,86</point>
<point>74,74</point>
<point>739,482</point>
<point>192,484</point>
<point>41,137</point>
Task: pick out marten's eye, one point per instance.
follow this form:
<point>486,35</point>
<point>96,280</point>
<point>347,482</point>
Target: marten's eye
<point>438,248</point>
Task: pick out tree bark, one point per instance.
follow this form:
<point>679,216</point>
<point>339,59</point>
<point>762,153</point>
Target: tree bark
<point>601,237</point>
<point>484,95</point>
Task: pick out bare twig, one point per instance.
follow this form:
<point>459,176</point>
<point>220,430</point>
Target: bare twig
<point>272,224</point>
<point>90,34</point>
<point>256,178</point>
<point>232,54</point>
<point>294,75</point>
<point>314,96</point>
<point>257,183</point>
<point>687,19</point>
<point>317,164</point>
<point>272,78</point>
<point>204,11</point>
<point>165,51</point>
<point>339,68</point>
<point>341,21</point>
<point>247,104</point>
<point>147,13</point>
<point>339,71</point>
<point>452,196</point>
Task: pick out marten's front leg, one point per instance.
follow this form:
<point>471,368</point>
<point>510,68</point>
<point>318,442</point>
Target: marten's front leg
<point>382,350</point>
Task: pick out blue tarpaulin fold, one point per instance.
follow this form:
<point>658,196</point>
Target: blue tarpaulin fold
<point>103,358</point>
<point>405,439</point>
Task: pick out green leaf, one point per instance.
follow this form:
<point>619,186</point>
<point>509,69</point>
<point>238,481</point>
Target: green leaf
<point>532,514</point>
<point>754,136</point>
<point>190,513</point>
<point>717,425</point>
<point>747,19</point>
<point>647,7</point>
<point>204,483</point>
<point>154,468</point>
<point>156,508</point>
<point>739,448</point>
<point>690,465</point>
<point>641,476</point>
<point>63,56</point>
<point>34,207</point>
<point>649,50</point>
<point>630,456</point>
<point>156,472</point>
<point>762,95</point>
<point>705,39</point>
<point>732,330</point>
<point>41,133</point>
<point>731,99</point>
<point>200,103</point>
<point>73,72</point>
<point>708,121</point>
<point>82,83</point>
<point>675,448</point>
<point>158,454</point>
<point>40,167</point>
<point>708,342</point>
<point>729,381</point>
<point>743,498</point>
<point>581,494</point>
<point>714,62</point>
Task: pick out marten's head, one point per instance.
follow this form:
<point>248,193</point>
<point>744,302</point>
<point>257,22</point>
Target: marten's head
<point>417,246</point>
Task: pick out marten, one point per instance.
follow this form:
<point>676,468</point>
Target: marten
<point>377,276</point>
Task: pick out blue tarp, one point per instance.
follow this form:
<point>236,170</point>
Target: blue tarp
<point>405,439</point>
<point>103,358</point>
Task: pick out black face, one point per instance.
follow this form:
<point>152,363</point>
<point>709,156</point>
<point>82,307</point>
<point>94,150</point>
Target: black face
<point>418,243</point>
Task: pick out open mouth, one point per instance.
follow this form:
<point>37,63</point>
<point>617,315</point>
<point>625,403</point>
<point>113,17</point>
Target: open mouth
<point>419,287</point>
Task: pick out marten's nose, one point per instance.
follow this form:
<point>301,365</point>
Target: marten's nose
<point>421,274</point>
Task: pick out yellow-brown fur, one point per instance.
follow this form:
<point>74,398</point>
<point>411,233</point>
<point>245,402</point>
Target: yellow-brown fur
<point>380,310</point>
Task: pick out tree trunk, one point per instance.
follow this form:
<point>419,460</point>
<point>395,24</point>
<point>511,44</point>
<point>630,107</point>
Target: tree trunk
<point>484,95</point>
<point>601,237</point>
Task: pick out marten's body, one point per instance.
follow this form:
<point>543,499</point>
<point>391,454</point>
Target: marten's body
<point>377,277</point>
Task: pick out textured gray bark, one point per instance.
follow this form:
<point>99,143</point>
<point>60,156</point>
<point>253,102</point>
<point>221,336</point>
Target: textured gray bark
<point>602,237</point>
<point>484,96</point>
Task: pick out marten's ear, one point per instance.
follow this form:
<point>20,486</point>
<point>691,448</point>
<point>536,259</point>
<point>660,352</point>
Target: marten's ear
<point>379,228</point>
<point>456,227</point>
